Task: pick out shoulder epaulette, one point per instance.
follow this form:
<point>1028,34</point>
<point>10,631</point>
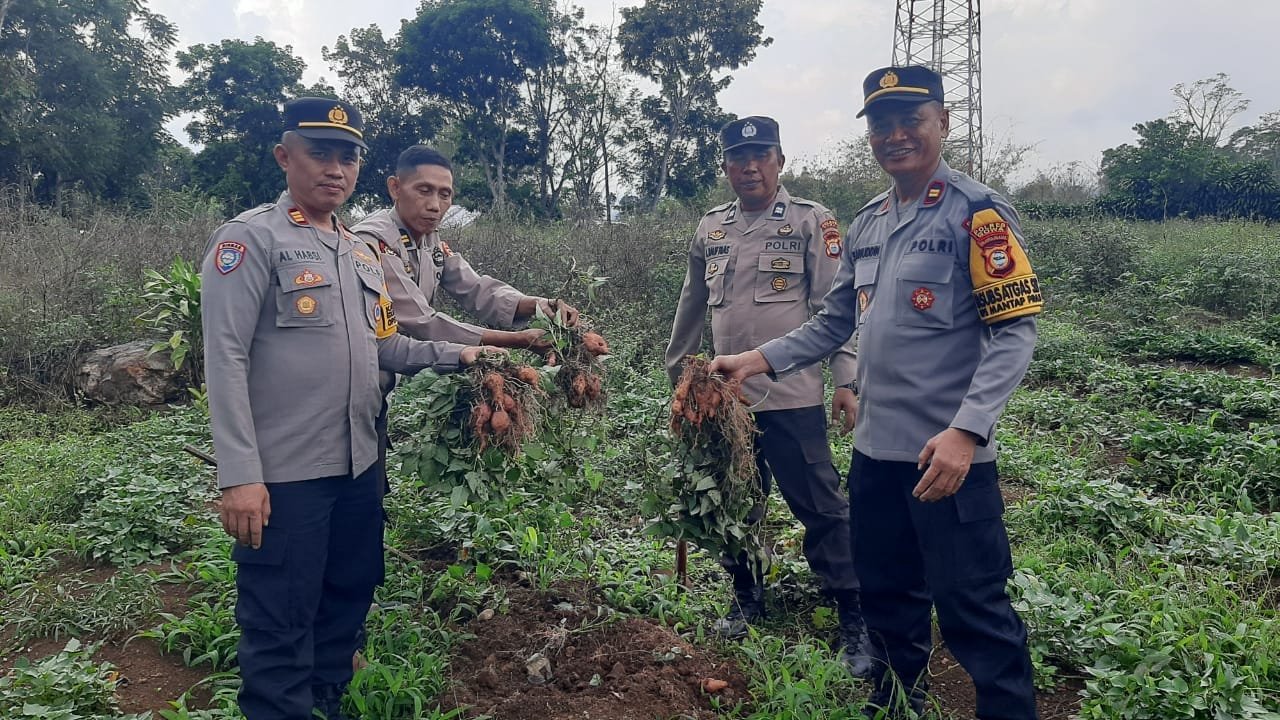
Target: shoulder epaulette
<point>251,213</point>
<point>972,190</point>
<point>873,202</point>
<point>718,208</point>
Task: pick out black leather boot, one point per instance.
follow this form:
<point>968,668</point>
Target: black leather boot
<point>890,701</point>
<point>328,700</point>
<point>856,652</point>
<point>748,606</point>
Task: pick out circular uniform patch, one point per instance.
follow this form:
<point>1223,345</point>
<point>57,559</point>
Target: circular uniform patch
<point>306,305</point>
<point>779,284</point>
<point>922,298</point>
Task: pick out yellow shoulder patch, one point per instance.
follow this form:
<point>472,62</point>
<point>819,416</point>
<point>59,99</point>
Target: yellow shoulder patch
<point>384,318</point>
<point>1004,285</point>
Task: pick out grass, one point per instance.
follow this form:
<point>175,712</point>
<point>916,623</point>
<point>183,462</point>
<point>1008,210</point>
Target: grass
<point>1144,441</point>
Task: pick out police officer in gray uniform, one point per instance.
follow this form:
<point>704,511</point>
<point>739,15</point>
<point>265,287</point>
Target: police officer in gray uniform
<point>939,291</point>
<point>762,264</point>
<point>297,323</point>
<point>417,263</point>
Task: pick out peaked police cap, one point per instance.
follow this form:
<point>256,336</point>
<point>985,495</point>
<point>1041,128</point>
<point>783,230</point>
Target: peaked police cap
<point>911,84</point>
<point>750,130</point>
<point>319,118</point>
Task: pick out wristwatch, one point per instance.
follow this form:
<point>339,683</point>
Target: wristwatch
<point>851,386</point>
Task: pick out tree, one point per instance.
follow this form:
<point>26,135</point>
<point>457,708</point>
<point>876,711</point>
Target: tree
<point>1260,141</point>
<point>691,163</point>
<point>237,90</point>
<point>1172,172</point>
<point>844,180</point>
<point>684,46</point>
<point>83,95</point>
<point>474,55</point>
<point>395,116</point>
<point>1208,105</point>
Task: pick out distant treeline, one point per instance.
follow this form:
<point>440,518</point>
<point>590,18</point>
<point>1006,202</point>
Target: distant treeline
<point>539,109</point>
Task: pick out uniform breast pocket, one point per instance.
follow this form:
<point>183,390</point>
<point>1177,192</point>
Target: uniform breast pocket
<point>306,297</point>
<point>373,287</point>
<point>780,277</point>
<point>716,270</point>
<point>864,282</point>
<point>923,297</point>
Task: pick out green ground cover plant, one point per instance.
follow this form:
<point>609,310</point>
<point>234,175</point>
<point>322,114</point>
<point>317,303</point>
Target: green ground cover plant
<point>1139,459</point>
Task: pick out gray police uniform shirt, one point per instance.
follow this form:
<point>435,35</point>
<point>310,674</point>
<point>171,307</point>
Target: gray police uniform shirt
<point>416,267</point>
<point>297,323</point>
<point>761,279</point>
<point>942,297</point>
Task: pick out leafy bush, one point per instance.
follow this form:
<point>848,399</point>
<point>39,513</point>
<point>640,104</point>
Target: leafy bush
<point>66,686</point>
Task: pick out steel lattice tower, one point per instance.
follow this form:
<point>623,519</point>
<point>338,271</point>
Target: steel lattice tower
<point>945,35</point>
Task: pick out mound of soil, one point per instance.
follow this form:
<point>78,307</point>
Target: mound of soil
<point>598,665</point>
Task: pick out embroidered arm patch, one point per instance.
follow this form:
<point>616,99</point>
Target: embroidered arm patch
<point>1004,285</point>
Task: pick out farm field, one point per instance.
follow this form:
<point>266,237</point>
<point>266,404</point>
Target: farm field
<point>1140,462</point>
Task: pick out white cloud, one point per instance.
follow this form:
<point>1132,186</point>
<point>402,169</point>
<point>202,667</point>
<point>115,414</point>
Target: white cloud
<point>1071,76</point>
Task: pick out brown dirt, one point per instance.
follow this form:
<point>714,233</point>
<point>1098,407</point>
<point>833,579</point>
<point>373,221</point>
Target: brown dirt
<point>952,689</point>
<point>147,678</point>
<point>602,666</point>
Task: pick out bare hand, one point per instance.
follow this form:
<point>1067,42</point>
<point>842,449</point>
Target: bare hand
<point>844,409</point>
<point>472,353</point>
<point>244,511</point>
<point>568,314</point>
<point>740,366</point>
<point>948,455</point>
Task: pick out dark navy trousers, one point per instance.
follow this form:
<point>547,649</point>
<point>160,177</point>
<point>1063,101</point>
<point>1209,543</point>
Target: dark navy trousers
<point>792,449</point>
<point>304,594</point>
<point>952,555</point>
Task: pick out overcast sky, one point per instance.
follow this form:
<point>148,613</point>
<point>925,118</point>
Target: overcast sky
<point>1070,77</point>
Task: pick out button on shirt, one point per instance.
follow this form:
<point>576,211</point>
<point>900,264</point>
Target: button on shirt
<point>297,324</point>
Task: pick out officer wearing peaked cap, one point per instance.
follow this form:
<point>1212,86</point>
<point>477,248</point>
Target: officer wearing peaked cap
<point>938,287</point>
<point>762,264</point>
<point>297,323</point>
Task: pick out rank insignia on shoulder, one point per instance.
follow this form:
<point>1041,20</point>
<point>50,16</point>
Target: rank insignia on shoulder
<point>779,283</point>
<point>922,298</point>
<point>406,240</point>
<point>306,305</point>
<point>779,210</point>
<point>228,256</point>
<point>731,215</point>
<point>307,278</point>
<point>780,264</point>
<point>933,195</point>
<point>715,235</point>
<point>786,230</point>
<point>297,217</point>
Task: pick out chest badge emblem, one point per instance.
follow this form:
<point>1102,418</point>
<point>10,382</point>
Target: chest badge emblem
<point>716,235</point>
<point>786,230</point>
<point>306,305</point>
<point>779,284</point>
<point>780,264</point>
<point>922,298</point>
<point>307,278</point>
